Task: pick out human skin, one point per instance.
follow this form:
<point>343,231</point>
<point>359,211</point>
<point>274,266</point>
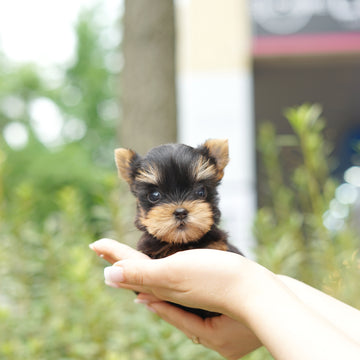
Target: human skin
<point>292,320</point>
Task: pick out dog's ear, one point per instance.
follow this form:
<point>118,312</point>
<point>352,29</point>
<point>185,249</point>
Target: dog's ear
<point>124,158</point>
<point>218,149</point>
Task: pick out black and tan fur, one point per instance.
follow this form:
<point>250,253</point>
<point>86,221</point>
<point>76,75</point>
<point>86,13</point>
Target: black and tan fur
<point>175,186</point>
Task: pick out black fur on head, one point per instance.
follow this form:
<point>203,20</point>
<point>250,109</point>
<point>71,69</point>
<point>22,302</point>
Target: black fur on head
<point>176,188</point>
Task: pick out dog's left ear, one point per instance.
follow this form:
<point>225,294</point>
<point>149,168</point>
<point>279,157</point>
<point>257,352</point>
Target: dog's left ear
<point>124,158</point>
<point>218,149</point>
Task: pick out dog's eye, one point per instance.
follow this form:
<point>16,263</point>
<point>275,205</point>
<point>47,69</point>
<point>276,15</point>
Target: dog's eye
<point>154,196</point>
<point>201,192</point>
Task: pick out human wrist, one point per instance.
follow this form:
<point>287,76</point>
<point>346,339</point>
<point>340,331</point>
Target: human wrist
<point>249,291</point>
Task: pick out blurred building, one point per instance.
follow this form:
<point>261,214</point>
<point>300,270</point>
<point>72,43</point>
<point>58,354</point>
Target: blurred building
<point>242,62</point>
<point>309,51</point>
<point>215,98</point>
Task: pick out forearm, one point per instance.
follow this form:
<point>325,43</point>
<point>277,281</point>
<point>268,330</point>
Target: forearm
<point>288,328</point>
<point>341,315</point>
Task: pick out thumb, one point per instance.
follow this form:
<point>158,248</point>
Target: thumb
<point>114,251</point>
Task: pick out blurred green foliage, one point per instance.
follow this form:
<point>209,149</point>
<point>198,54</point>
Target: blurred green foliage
<point>85,94</point>
<point>57,199</point>
<point>290,229</point>
<point>292,238</point>
<point>54,304</point>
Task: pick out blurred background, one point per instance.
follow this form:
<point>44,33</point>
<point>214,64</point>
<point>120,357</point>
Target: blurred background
<point>280,79</point>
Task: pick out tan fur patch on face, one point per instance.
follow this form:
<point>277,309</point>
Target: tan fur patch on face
<point>149,175</point>
<point>161,222</point>
<point>204,170</point>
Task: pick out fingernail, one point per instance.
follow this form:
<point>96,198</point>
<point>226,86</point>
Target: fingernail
<point>141,301</point>
<point>91,246</point>
<point>111,284</point>
<point>113,274</point>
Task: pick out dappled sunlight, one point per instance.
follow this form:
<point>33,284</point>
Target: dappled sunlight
<point>347,195</point>
<point>47,121</point>
<point>352,176</point>
<point>16,135</point>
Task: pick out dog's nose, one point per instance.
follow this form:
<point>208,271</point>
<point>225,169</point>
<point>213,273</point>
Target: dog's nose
<point>180,213</point>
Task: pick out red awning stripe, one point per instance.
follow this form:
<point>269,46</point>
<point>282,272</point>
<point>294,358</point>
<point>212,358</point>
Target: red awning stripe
<point>306,44</point>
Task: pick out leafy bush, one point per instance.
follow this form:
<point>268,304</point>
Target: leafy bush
<point>54,304</point>
<point>54,201</point>
<point>291,235</point>
<point>290,230</point>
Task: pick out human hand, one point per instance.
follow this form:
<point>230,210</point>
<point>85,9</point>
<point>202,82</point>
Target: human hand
<point>229,338</point>
<point>202,278</point>
<point>222,334</point>
<point>237,287</point>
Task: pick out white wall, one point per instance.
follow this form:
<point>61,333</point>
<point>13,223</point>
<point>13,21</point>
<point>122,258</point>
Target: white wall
<point>215,99</point>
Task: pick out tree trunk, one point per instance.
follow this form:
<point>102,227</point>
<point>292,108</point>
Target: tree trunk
<point>148,82</point>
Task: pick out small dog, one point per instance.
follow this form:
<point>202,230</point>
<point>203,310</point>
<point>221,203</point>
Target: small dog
<point>175,186</point>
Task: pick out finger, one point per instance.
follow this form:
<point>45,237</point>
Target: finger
<point>139,272</point>
<point>113,277</point>
<point>190,324</point>
<point>146,299</point>
<point>136,289</point>
<point>113,251</point>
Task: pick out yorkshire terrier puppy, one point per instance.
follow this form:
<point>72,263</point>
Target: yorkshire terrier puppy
<point>175,186</point>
